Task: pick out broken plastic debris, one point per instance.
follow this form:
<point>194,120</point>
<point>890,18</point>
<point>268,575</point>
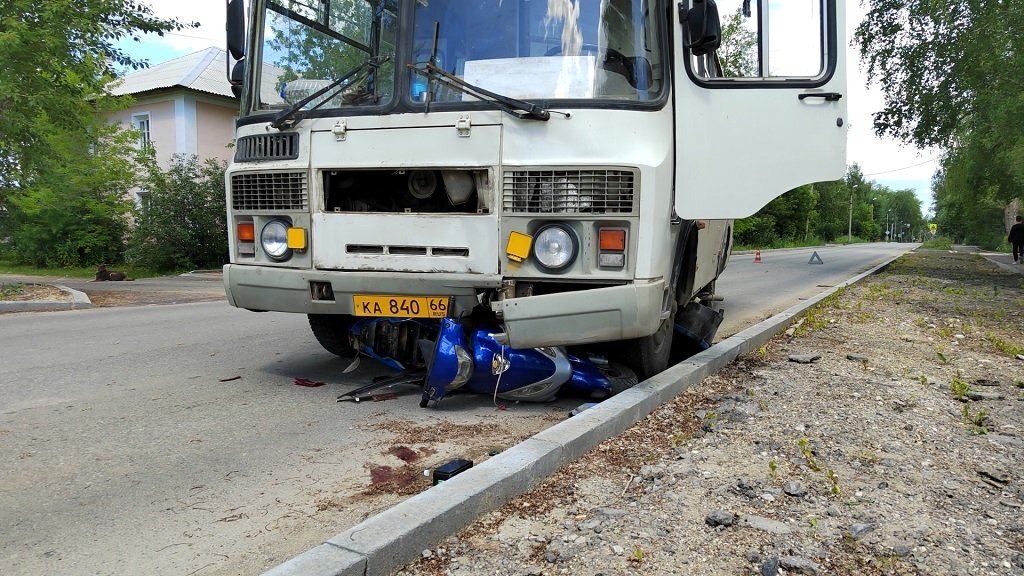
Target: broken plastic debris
<point>308,383</point>
<point>581,408</point>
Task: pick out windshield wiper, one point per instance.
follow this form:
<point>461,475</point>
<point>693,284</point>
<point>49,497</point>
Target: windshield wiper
<point>290,115</point>
<point>518,108</point>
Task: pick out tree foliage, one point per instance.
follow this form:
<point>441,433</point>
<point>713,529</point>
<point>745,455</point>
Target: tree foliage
<point>738,52</point>
<point>75,213</point>
<point>181,223</point>
<point>56,59</point>
<point>950,73</point>
<point>65,177</point>
<point>834,211</point>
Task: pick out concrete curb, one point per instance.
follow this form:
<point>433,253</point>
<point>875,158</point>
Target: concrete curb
<point>79,301</point>
<point>1015,268</point>
<point>397,536</point>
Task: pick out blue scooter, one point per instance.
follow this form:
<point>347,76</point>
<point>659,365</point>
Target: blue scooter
<point>478,363</point>
<point>472,360</point>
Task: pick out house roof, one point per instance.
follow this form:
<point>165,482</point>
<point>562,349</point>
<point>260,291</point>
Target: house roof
<point>203,71</point>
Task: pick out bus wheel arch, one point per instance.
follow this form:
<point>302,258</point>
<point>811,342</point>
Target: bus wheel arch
<point>685,283</point>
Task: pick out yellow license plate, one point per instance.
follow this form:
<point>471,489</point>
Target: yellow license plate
<point>401,306</point>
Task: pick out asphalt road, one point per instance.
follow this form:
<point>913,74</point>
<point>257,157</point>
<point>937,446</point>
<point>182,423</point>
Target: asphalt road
<point>122,451</point>
<point>752,291</point>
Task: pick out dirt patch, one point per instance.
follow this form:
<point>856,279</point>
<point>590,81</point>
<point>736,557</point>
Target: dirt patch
<point>110,298</point>
<point>407,432</point>
<point>897,452</point>
<point>32,292</point>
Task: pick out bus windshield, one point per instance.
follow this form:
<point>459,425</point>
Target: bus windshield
<point>537,49</point>
<point>308,45</point>
<point>525,49</point>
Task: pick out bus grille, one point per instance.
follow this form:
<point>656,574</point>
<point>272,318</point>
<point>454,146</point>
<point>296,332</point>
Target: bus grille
<point>267,147</point>
<point>269,191</point>
<point>568,191</point>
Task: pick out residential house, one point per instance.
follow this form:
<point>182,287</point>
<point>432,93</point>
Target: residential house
<point>182,106</point>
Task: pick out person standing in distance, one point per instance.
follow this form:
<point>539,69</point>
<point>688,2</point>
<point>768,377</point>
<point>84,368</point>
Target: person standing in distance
<point>1016,238</point>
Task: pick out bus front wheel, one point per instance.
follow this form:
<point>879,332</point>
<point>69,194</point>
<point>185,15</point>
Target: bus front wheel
<point>332,332</point>
<point>649,355</point>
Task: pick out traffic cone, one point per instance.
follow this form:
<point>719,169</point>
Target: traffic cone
<point>757,257</point>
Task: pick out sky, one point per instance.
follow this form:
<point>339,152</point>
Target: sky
<point>883,160</point>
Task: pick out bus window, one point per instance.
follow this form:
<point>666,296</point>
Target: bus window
<point>777,39</point>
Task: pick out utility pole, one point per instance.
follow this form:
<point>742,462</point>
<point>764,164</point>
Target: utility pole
<point>849,225</point>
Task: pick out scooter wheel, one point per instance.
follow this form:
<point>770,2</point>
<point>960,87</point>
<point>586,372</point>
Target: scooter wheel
<point>620,377</point>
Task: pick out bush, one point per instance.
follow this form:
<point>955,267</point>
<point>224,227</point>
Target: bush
<point>181,223</point>
<point>73,211</point>
<point>756,231</point>
<point>938,243</point>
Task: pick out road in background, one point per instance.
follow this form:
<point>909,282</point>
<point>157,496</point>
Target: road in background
<point>752,291</point>
<point>172,439</point>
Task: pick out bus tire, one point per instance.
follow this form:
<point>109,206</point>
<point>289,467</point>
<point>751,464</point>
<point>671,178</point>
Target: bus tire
<point>650,355</point>
<point>331,331</point>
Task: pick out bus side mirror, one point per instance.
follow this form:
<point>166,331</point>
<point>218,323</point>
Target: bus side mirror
<point>236,29</point>
<point>236,45</point>
<point>235,79</point>
<point>703,31</point>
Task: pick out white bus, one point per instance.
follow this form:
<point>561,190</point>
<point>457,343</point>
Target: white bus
<point>566,170</point>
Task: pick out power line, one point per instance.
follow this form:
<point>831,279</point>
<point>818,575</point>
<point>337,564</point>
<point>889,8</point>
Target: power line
<point>903,168</point>
<point>189,36</point>
<point>207,38</point>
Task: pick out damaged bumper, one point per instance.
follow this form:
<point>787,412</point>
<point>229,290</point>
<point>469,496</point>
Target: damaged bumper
<point>584,317</point>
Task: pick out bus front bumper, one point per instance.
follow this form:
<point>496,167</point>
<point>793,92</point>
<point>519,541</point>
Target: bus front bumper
<point>582,317</point>
<point>567,318</point>
<point>265,288</point>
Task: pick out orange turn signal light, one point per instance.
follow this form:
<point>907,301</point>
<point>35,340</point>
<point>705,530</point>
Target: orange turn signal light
<point>610,239</point>
<point>246,232</point>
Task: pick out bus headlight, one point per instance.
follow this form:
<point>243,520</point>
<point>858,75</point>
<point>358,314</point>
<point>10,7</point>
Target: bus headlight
<point>555,246</point>
<point>274,240</point>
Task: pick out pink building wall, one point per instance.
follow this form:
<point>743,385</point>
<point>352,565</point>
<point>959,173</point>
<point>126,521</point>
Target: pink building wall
<point>216,130</point>
<point>182,122</point>
<point>162,128</point>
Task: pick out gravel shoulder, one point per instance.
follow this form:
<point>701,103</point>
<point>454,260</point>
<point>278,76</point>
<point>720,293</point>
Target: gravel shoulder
<point>881,435</point>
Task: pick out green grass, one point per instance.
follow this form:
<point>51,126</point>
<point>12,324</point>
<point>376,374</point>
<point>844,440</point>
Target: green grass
<point>10,267</point>
<point>1007,348</point>
<point>938,243</point>
<point>9,290</point>
<point>959,389</point>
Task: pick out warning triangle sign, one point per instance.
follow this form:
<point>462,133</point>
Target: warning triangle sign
<point>815,259</point>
